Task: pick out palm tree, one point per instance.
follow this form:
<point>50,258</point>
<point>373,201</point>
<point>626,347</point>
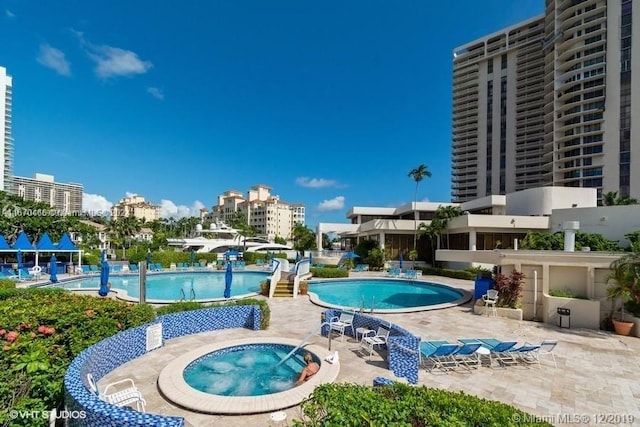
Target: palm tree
<point>446,213</point>
<point>611,198</point>
<point>432,231</point>
<point>417,174</point>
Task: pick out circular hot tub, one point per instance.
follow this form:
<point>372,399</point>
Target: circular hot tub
<point>230,378</point>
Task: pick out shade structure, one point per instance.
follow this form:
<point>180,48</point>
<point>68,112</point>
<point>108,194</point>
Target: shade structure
<point>351,255</point>
<point>231,252</point>
<point>228,278</point>
<point>22,243</point>
<point>53,269</point>
<point>45,243</point>
<point>19,258</point>
<point>400,261</point>
<point>104,279</point>
<point>4,246</point>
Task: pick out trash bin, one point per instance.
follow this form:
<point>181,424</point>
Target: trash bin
<point>482,284</point>
<point>564,317</point>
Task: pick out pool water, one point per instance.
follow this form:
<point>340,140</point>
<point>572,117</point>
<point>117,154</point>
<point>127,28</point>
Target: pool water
<point>247,370</point>
<point>383,294</point>
<point>205,285</point>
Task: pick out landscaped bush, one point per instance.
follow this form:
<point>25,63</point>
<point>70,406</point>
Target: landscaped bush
<point>7,284</point>
<point>565,294</point>
<point>329,273</point>
<point>403,405</point>
<point>509,289</point>
<point>41,332</point>
<point>193,305</point>
<point>456,274</point>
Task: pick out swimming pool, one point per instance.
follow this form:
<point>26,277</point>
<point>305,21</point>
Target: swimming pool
<point>385,295</point>
<point>174,286</point>
<point>174,387</point>
<point>250,370</point>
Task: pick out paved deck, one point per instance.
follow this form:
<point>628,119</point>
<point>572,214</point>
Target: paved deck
<point>598,372</point>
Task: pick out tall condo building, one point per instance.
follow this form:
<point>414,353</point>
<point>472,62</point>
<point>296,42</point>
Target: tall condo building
<point>549,101</point>
<point>6,148</point>
<point>65,197</point>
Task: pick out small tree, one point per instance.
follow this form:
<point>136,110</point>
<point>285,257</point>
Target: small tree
<point>509,289</point>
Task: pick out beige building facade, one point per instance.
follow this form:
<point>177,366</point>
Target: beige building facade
<point>135,206</point>
<point>66,198</point>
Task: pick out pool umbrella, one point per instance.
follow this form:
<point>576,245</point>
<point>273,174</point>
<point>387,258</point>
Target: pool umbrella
<point>53,269</point>
<point>297,256</point>
<point>104,279</point>
<point>103,256</point>
<point>310,258</point>
<point>193,257</point>
<point>148,258</point>
<point>400,261</point>
<point>351,255</point>
<point>228,278</point>
<point>19,258</point>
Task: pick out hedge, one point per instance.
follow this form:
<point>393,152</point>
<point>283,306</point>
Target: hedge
<point>329,273</point>
<point>456,274</point>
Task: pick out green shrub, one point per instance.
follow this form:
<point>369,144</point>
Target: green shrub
<point>456,274</point>
<point>41,331</point>
<point>404,405</point>
<point>566,293</point>
<point>328,272</point>
<point>7,284</point>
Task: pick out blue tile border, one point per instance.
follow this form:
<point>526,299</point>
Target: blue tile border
<point>112,352</point>
<point>404,358</point>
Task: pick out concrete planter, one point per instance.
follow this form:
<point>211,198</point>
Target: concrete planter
<point>635,332</point>
<point>509,313</point>
<point>584,313</point>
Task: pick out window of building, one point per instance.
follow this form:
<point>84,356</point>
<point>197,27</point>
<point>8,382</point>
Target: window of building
<point>503,63</point>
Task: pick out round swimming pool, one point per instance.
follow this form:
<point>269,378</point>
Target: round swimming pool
<point>249,370</point>
<point>169,287</point>
<point>385,295</point>
<point>226,391</point>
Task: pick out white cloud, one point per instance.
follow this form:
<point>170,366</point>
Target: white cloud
<point>304,181</point>
<point>113,61</point>
<point>54,58</point>
<point>95,204</point>
<point>130,194</point>
<point>9,14</point>
<point>155,92</point>
<point>334,204</point>
<point>168,209</point>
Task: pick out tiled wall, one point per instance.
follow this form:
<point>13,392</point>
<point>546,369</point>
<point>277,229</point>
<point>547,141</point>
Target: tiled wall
<point>403,346</point>
<point>108,354</point>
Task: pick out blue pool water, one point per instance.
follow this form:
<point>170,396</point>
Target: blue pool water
<point>206,285</point>
<point>247,370</point>
<point>383,294</point>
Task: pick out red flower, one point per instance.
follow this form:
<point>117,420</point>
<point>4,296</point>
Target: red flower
<point>2,332</point>
<point>42,329</point>
<point>50,331</point>
<point>12,336</point>
<point>89,312</point>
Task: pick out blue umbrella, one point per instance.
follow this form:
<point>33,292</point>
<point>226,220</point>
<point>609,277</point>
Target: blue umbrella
<point>350,255</point>
<point>19,257</point>
<point>53,269</point>
<point>228,278</point>
<point>104,280</point>
<point>297,256</point>
<point>310,258</point>
<point>148,258</point>
<point>193,257</point>
<point>103,256</point>
<point>400,261</point>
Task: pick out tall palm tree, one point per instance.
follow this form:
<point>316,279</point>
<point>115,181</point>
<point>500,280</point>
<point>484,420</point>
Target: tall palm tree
<point>446,213</point>
<point>417,174</point>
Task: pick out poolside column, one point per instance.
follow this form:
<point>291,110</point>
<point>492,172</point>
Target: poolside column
<point>382,241</point>
<point>472,240</point>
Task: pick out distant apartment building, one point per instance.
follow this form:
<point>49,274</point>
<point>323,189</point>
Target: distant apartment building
<point>269,215</point>
<point>67,198</point>
<point>549,101</point>
<point>135,206</point>
<point>101,241</point>
<point>6,147</point>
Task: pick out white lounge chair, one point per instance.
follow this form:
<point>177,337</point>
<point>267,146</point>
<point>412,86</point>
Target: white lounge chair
<point>370,341</point>
<point>120,393</point>
<point>340,324</point>
<point>531,353</point>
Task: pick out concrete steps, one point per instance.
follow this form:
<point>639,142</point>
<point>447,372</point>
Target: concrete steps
<point>284,289</point>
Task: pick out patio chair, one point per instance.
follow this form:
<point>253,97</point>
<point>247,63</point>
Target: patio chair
<point>490,300</point>
<point>158,267</point>
<point>467,355</point>
<point>500,350</point>
<point>25,274</point>
<point>120,393</point>
<point>94,269</point>
<point>133,268</point>
<point>116,268</point>
<point>372,339</point>
<point>531,353</point>
<point>341,323</point>
<point>440,354</point>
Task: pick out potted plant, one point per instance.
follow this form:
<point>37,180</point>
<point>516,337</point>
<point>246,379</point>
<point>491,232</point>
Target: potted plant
<point>625,273</point>
<point>264,288</point>
<point>303,288</point>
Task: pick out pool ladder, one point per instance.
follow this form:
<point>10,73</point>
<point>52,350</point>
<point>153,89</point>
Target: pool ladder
<point>303,342</point>
<point>192,295</point>
<point>373,303</point>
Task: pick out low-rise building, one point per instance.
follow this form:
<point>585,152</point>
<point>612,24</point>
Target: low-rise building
<point>135,206</point>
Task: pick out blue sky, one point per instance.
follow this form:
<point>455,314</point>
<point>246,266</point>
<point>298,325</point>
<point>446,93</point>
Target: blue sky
<point>330,103</point>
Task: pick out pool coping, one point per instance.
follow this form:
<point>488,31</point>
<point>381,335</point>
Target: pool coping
<point>466,297</point>
<point>173,387</point>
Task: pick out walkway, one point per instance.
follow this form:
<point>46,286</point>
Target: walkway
<point>598,373</point>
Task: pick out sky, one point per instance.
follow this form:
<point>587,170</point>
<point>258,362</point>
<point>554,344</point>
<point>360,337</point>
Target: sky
<point>330,103</point>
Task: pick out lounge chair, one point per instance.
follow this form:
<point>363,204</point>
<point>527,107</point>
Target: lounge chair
<point>439,353</point>
<point>371,339</point>
<point>94,269</point>
<point>133,268</point>
<point>36,272</point>
<point>85,269</point>
<point>158,267</point>
<point>116,268</point>
<point>500,350</point>
<point>531,353</point>
<point>467,355</point>
<point>342,322</point>
<point>9,274</point>
<point>259,262</point>
<point>120,393</point>
<point>25,274</point>
<point>411,274</point>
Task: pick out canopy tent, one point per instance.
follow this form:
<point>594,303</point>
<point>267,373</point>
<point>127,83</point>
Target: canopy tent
<point>4,246</point>
<point>23,244</point>
<point>44,245</point>
<point>66,245</point>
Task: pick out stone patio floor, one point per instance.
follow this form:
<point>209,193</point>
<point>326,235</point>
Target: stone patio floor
<point>598,372</point>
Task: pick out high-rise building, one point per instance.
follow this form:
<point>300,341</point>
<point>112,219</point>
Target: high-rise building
<point>549,101</point>
<point>265,212</point>
<point>6,148</point>
<point>65,197</point>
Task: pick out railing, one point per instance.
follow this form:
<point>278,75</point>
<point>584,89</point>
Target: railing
<point>275,276</point>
